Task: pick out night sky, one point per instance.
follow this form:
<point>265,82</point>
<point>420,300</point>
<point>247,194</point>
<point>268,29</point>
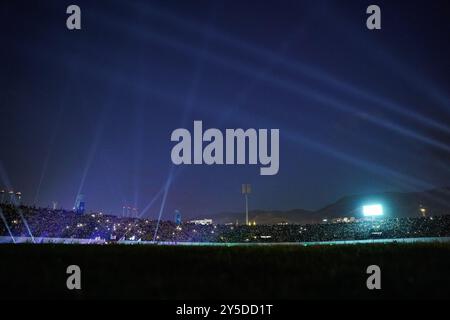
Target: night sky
<point>92,111</point>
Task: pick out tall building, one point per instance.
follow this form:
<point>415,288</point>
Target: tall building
<point>11,197</point>
<point>177,217</point>
<point>80,204</point>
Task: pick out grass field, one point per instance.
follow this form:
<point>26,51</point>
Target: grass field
<point>172,272</point>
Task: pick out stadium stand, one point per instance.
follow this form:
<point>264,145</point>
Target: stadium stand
<point>50,223</point>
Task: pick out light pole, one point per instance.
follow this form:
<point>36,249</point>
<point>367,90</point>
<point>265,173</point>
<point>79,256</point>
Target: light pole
<point>246,190</point>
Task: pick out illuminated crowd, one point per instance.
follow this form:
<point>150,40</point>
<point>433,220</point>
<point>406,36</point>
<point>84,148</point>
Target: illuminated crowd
<point>50,223</point>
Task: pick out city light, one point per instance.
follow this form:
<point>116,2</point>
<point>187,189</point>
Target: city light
<point>373,210</point>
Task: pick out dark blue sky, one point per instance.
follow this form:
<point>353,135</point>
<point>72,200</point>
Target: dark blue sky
<point>92,110</point>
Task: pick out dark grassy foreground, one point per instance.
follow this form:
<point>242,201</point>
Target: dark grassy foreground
<point>288,272</point>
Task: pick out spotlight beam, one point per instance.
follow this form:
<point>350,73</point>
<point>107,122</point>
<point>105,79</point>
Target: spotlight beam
<point>25,223</point>
<point>104,73</point>
<point>54,133</point>
<point>92,150</point>
<point>6,181</point>
<point>163,202</point>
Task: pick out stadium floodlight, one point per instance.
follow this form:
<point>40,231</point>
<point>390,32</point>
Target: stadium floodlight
<point>373,210</point>
<point>246,190</point>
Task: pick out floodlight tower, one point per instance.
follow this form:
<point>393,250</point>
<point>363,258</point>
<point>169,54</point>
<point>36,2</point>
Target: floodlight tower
<point>423,211</point>
<point>11,197</point>
<point>2,193</point>
<point>18,198</point>
<point>246,190</point>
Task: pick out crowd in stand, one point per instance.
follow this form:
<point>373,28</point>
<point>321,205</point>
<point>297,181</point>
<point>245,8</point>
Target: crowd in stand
<point>67,224</point>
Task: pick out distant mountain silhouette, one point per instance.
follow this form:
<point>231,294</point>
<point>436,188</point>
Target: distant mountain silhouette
<point>395,204</point>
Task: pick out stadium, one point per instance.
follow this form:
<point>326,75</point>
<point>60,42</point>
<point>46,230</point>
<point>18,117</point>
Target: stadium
<point>212,255</point>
